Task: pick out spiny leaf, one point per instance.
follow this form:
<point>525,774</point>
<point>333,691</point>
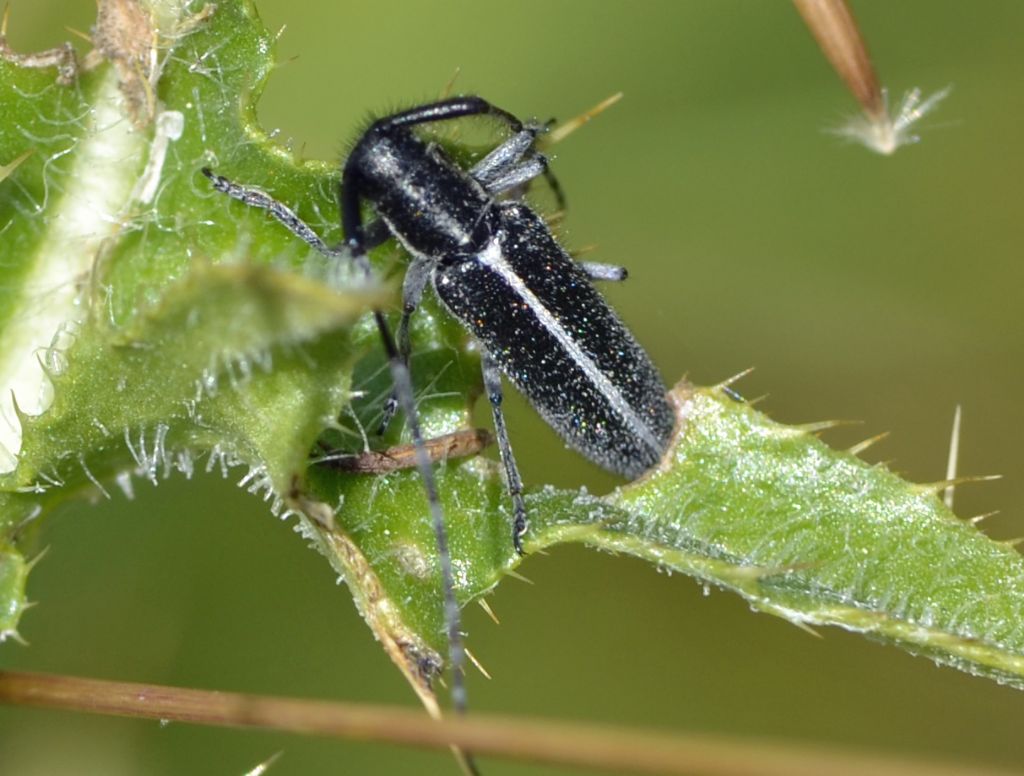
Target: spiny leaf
<point>818,537</point>
<point>197,327</point>
<point>140,336</point>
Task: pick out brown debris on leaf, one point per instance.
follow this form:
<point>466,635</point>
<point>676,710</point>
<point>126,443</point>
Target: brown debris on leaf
<point>128,35</point>
<point>458,444</point>
<point>61,57</point>
<point>125,35</point>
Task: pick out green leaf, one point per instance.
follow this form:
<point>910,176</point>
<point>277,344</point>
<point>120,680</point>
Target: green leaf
<point>150,326</point>
<point>814,535</point>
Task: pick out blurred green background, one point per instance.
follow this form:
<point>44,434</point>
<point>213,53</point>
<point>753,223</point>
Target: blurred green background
<point>885,290</point>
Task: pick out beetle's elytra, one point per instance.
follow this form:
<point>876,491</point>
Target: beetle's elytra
<point>540,318</point>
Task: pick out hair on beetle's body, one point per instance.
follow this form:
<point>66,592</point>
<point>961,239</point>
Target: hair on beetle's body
<point>494,264</point>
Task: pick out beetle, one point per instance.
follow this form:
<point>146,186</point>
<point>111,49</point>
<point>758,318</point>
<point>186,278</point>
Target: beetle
<point>495,265</point>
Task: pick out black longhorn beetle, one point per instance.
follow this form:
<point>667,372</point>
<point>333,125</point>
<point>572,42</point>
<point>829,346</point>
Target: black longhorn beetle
<point>496,267</point>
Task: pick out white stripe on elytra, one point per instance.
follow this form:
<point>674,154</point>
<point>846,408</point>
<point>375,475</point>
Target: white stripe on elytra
<point>492,257</point>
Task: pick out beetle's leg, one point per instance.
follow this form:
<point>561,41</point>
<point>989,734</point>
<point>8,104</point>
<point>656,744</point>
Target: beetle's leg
<point>504,157</point>
<point>518,176</point>
<point>260,199</point>
<point>504,169</point>
<point>492,385</point>
<point>376,233</point>
<point>416,277</point>
<point>555,186</point>
<point>599,271</point>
